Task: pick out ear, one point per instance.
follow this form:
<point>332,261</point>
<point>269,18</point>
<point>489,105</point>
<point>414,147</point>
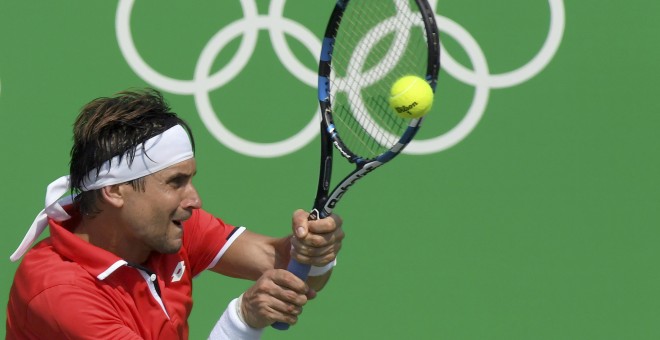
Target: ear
<point>113,195</point>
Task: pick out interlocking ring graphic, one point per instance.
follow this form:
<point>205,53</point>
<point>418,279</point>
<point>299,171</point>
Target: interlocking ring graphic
<point>277,25</point>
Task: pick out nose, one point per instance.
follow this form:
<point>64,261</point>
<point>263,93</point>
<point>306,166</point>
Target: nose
<point>192,199</point>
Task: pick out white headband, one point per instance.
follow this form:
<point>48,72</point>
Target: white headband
<point>159,152</point>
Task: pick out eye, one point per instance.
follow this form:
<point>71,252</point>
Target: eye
<point>178,181</point>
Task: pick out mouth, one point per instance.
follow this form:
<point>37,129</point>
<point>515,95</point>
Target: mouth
<point>179,222</point>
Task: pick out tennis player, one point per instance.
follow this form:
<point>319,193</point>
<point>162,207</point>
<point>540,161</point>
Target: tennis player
<point>124,247</point>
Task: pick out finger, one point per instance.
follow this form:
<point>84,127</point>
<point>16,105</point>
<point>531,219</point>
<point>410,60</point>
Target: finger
<point>287,305</point>
<point>302,248</point>
<point>289,281</point>
<point>267,302</point>
<point>317,256</point>
<point>322,240</point>
<point>311,294</point>
<point>287,308</point>
<point>318,261</point>
<point>325,225</point>
<point>289,316</point>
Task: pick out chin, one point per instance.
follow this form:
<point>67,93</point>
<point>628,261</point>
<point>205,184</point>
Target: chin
<point>172,247</point>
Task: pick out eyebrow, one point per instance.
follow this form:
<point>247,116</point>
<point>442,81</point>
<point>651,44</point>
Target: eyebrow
<point>176,175</point>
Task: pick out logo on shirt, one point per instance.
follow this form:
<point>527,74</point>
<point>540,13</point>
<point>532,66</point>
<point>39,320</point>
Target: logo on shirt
<point>178,272</point>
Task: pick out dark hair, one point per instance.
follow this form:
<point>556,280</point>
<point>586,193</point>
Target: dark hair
<point>116,126</point>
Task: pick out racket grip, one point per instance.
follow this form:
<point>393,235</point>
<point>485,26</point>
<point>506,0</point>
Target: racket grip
<point>281,326</point>
<point>301,270</point>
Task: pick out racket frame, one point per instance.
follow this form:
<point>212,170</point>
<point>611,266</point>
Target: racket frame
<point>325,203</point>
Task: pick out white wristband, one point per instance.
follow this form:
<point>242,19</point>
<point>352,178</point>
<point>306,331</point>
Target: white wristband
<point>318,271</point>
<point>231,326</point>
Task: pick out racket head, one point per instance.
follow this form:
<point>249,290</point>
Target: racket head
<point>368,45</point>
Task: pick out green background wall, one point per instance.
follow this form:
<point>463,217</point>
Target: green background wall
<point>541,223</point>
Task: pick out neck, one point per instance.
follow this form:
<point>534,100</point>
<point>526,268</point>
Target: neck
<point>107,233</point>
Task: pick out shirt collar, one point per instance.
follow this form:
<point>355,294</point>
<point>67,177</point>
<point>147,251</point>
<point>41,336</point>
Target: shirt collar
<point>97,261</point>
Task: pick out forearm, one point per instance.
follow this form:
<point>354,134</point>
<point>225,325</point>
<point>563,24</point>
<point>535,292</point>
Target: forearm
<point>316,242</point>
<point>252,254</point>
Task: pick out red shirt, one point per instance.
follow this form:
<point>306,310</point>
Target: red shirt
<point>66,288</point>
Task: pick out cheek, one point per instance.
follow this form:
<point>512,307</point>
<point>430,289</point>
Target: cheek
<point>154,209</point>
<point>144,216</point>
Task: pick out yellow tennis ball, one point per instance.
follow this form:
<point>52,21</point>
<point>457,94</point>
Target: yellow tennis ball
<point>411,97</point>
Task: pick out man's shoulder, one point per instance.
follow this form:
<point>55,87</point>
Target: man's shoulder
<point>43,268</point>
<point>45,275</point>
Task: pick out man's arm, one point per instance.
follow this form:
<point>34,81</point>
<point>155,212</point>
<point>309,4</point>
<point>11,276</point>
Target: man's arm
<point>278,295</point>
<point>253,254</point>
<point>316,243</point>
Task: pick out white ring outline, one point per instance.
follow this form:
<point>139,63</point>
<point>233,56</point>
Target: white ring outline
<point>210,119</point>
<point>202,82</point>
<point>481,79</point>
<point>523,73</point>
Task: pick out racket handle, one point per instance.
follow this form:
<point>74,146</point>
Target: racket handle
<point>301,270</point>
<point>281,326</point>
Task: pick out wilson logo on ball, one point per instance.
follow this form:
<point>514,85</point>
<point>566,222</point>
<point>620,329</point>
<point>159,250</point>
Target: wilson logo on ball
<point>402,109</point>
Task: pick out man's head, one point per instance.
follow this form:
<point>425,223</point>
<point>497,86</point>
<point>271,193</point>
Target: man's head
<point>115,126</point>
<point>132,165</point>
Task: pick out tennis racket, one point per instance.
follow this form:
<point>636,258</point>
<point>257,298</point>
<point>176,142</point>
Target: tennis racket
<point>368,45</point>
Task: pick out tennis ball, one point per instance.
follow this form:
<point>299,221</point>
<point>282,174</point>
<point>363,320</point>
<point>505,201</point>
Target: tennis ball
<point>411,97</point>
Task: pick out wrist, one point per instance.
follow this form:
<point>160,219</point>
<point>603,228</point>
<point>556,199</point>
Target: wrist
<point>239,309</point>
<point>318,271</point>
<point>231,324</point>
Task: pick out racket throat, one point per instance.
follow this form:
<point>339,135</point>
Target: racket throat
<point>345,184</point>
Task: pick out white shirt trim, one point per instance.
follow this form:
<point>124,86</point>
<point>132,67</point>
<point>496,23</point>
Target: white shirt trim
<point>111,269</point>
<point>229,242</point>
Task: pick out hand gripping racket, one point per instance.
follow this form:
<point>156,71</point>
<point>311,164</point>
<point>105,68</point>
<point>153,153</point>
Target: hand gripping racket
<point>368,45</point>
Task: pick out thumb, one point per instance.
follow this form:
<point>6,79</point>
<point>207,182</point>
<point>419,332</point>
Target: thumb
<point>299,223</point>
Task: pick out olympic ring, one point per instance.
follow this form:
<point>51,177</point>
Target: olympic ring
<point>525,72</point>
<point>481,79</point>
<point>202,82</point>
<point>277,25</point>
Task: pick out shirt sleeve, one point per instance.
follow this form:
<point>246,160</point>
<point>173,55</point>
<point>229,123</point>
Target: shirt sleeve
<point>205,238</point>
<point>73,313</point>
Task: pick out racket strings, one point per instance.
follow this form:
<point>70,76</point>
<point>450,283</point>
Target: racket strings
<point>376,43</point>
